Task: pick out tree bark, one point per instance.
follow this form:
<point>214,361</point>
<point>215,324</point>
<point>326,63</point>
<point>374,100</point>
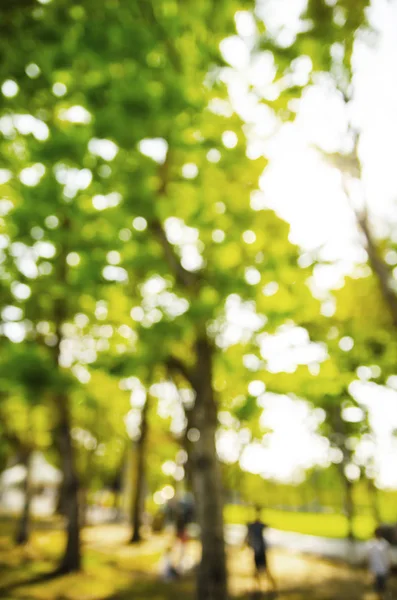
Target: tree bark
<point>374,500</point>
<point>140,476</point>
<point>349,508</point>
<point>117,488</point>
<point>207,484</point>
<point>187,466</point>
<point>23,529</point>
<point>348,502</point>
<point>339,430</point>
<point>206,472</point>
<point>83,506</point>
<point>60,508</point>
<point>71,560</point>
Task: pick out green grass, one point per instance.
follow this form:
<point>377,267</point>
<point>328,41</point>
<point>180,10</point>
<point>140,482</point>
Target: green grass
<point>111,569</point>
<point>326,525</point>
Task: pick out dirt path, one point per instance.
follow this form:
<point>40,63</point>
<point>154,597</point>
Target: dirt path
<point>117,571</point>
<point>299,577</point>
<point>303,578</point>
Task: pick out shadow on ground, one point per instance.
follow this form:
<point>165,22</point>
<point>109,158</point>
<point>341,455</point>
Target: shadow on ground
<point>114,570</point>
<point>144,587</point>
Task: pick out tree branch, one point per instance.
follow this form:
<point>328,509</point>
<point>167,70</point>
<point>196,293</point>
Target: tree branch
<point>185,278</point>
<point>174,364</point>
<point>379,267</point>
<point>23,448</point>
<point>350,166</point>
<point>148,14</point>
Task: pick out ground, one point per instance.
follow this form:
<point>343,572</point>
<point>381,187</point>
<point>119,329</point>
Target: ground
<point>114,570</point>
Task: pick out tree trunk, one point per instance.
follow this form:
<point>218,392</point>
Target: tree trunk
<point>348,504</point>
<point>207,485</point>
<point>140,474</point>
<point>187,466</point>
<point>206,472</point>
<point>83,506</point>
<point>339,430</point>
<point>374,500</point>
<point>71,560</point>
<point>23,529</point>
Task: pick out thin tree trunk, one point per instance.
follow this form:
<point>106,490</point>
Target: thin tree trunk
<point>23,529</point>
<point>117,506</point>
<point>140,475</point>
<point>348,502</point>
<point>207,482</point>
<point>374,500</point>
<point>339,428</point>
<point>72,557</point>
<point>349,508</point>
<point>188,464</point>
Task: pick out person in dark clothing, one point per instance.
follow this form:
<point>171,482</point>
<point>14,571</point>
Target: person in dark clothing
<point>257,543</point>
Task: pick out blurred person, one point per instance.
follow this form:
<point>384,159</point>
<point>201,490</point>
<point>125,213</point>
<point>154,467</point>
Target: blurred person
<point>181,523</point>
<point>169,572</point>
<point>256,541</point>
<point>379,563</point>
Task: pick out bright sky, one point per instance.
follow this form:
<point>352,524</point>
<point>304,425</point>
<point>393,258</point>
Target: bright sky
<point>307,192</point>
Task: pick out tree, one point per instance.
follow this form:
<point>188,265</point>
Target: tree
<point>350,167</point>
<point>123,118</point>
<point>140,472</point>
<point>56,270</point>
<point>24,378</point>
